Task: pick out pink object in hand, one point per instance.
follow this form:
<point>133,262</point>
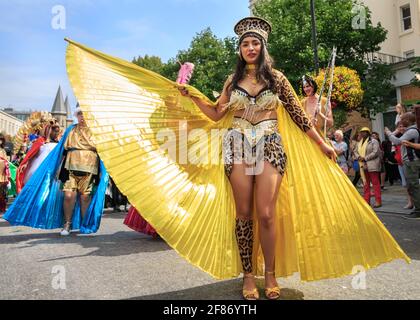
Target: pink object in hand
<point>185,73</point>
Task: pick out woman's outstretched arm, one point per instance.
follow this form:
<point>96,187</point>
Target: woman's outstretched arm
<point>217,112</point>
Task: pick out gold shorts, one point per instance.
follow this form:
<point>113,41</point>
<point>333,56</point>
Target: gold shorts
<point>81,184</point>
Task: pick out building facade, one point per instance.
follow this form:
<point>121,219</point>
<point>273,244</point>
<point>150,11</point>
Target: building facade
<point>401,18</point>
<point>61,110</point>
<point>9,125</point>
<point>20,114</point>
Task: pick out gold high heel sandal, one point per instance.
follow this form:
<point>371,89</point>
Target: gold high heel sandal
<point>250,294</point>
<point>272,293</point>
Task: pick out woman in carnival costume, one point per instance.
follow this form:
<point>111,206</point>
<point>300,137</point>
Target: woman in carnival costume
<point>288,208</point>
<point>42,204</point>
<point>310,104</point>
<point>45,126</point>
<point>135,221</point>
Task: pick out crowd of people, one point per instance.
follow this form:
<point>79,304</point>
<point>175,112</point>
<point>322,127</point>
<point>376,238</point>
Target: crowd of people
<point>365,157</point>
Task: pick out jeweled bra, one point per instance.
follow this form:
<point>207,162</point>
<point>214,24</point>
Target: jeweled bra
<point>240,99</point>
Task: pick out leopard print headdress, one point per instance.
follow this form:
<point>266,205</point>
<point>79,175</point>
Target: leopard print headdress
<point>251,26</point>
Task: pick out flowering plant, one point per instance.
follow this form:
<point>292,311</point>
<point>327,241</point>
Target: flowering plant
<point>347,90</point>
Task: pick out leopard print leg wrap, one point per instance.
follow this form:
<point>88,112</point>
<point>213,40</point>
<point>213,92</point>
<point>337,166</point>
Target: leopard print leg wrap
<point>245,239</point>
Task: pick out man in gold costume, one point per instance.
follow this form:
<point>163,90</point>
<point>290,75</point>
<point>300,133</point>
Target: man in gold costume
<point>81,164</point>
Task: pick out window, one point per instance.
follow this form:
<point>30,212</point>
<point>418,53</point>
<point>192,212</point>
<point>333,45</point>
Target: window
<point>409,54</point>
<point>406,17</point>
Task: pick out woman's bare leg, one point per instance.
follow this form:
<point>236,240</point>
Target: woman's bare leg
<point>267,189</point>
<point>243,192</point>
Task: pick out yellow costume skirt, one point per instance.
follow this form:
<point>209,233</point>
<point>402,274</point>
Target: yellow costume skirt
<point>324,226</point>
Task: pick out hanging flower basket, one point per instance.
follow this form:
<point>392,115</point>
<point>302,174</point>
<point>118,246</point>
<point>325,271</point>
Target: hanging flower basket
<point>347,88</point>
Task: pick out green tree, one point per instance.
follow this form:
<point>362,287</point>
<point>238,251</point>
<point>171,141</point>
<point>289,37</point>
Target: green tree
<point>291,43</point>
<point>152,63</point>
<point>214,60</point>
<point>379,92</point>
<point>415,68</point>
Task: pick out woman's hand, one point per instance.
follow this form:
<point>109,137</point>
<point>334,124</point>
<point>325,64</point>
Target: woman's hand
<point>314,121</point>
<point>184,91</point>
<point>328,151</point>
<point>408,143</point>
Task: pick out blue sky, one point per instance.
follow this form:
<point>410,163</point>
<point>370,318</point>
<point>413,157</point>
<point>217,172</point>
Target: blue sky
<point>32,52</point>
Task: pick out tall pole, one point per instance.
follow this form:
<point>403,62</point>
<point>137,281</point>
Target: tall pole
<point>314,40</point>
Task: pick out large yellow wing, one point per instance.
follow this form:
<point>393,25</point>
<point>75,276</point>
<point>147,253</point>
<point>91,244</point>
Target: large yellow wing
<point>324,227</point>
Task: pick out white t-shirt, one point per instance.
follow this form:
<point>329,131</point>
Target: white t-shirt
<point>343,147</point>
<point>36,161</point>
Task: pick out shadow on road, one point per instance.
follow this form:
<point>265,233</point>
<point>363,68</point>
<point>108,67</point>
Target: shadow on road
<point>107,245</point>
<point>223,290</point>
<point>4,224</point>
<point>109,214</point>
<point>406,233</point>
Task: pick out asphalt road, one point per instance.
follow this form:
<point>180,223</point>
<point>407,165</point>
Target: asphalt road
<point>118,263</point>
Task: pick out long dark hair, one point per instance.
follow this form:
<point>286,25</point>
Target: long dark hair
<point>264,72</point>
<point>311,83</point>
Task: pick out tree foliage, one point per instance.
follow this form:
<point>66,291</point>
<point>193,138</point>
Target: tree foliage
<point>290,43</point>
<point>152,63</point>
<point>415,68</point>
<point>346,91</point>
<point>214,60</point>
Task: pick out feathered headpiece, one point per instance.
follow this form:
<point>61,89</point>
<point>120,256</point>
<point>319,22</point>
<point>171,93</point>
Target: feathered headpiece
<point>38,123</point>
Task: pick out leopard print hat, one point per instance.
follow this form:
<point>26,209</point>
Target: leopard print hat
<point>252,26</point>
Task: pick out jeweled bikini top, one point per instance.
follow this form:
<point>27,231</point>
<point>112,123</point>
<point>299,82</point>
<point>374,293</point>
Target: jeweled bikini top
<point>240,99</point>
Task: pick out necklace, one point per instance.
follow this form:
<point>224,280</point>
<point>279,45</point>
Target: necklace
<point>253,79</point>
<point>249,67</point>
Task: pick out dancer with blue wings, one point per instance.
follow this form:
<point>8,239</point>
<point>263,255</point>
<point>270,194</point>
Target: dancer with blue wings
<point>75,164</point>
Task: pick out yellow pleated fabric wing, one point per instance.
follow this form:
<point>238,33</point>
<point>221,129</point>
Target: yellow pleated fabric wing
<point>324,226</point>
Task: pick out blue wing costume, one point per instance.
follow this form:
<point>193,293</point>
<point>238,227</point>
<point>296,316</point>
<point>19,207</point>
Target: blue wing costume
<point>40,203</point>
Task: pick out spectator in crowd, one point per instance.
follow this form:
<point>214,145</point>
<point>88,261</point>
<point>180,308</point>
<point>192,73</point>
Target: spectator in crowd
<point>398,158</point>
<point>20,155</point>
<point>411,157</point>
<point>4,175</point>
<point>355,162</point>
<point>341,149</point>
<point>375,135</point>
<point>391,164</point>
<point>400,109</point>
<point>368,154</point>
